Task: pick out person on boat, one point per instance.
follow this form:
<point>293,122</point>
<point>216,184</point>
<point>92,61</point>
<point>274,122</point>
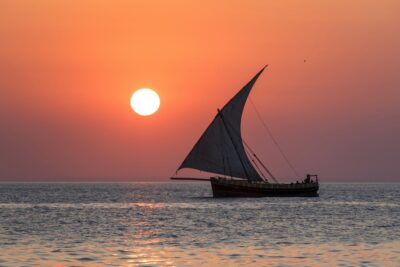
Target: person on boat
<point>308,179</point>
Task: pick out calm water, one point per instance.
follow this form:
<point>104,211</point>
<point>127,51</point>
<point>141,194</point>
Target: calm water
<point>179,224</point>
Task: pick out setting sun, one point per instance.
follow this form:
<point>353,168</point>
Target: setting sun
<point>145,102</point>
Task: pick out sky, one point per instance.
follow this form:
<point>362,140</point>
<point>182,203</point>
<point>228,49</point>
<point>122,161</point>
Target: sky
<point>68,68</point>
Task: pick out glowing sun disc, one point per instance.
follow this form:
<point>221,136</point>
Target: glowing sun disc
<point>145,101</point>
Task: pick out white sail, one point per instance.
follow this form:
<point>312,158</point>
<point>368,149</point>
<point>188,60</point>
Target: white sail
<point>220,148</point>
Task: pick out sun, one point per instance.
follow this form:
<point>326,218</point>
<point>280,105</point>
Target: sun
<point>145,101</point>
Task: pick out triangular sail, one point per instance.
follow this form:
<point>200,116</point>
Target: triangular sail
<point>220,148</point>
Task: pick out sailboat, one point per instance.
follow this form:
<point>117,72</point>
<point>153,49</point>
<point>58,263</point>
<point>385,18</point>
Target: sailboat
<point>221,150</point>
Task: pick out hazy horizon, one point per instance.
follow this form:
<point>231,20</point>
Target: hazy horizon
<point>163,179</point>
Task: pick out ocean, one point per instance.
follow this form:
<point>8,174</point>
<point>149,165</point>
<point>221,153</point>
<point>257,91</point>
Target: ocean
<point>180,224</point>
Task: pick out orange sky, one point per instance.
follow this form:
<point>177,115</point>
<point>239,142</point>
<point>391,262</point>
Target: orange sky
<point>68,69</point>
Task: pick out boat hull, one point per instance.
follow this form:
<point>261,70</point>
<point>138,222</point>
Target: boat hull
<point>234,188</point>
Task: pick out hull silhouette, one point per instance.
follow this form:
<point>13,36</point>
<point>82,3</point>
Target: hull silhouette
<point>241,188</point>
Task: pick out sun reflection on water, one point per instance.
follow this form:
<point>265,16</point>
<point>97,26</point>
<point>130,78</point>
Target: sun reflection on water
<point>146,254</point>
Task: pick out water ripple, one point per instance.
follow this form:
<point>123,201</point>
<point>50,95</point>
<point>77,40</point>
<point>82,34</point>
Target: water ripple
<point>179,224</point>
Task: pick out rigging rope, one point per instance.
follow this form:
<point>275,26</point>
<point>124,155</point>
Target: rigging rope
<point>262,164</point>
<point>259,170</point>
<point>273,139</point>
<point>254,154</point>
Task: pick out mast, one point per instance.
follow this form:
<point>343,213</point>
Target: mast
<point>234,145</point>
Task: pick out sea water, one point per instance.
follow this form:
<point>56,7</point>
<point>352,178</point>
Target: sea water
<point>180,224</point>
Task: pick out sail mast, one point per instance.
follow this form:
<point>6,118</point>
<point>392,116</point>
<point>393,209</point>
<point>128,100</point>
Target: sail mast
<point>234,145</point>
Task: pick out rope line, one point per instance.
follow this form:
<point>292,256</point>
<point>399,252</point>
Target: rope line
<point>262,164</point>
<point>252,152</point>
<point>273,139</point>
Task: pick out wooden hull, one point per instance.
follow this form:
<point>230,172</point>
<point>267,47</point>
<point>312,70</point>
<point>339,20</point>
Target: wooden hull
<point>234,188</point>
